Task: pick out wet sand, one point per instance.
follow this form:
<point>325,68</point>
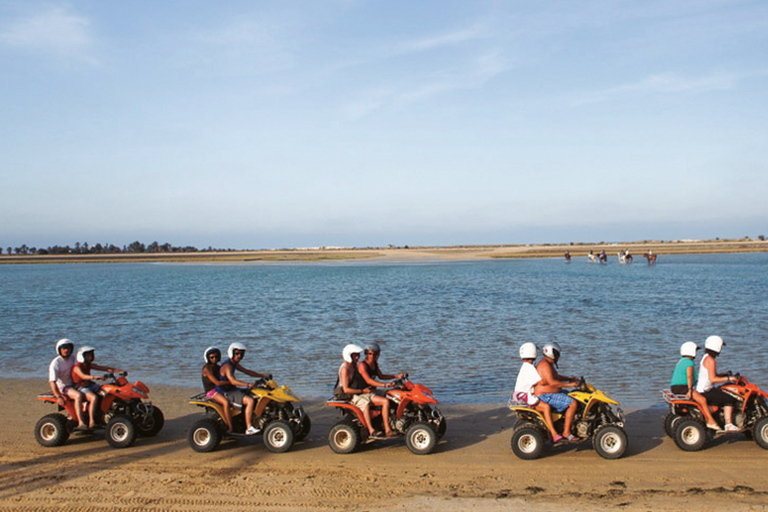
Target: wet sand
<point>472,468</point>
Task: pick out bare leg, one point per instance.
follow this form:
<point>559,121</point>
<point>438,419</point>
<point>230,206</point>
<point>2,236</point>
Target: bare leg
<point>547,412</point>
<point>77,397</point>
<point>221,399</point>
<point>569,414</point>
<point>249,405</point>
<point>384,404</point>
<point>93,401</point>
<point>699,399</point>
<point>728,409</point>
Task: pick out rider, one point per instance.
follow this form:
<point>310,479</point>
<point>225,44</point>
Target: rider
<point>368,369</point>
<point>708,377</point>
<point>236,352</point>
<point>527,378</point>
<point>85,382</point>
<point>60,379</point>
<point>214,384</point>
<point>683,381</point>
<point>549,389</point>
<point>352,383</point>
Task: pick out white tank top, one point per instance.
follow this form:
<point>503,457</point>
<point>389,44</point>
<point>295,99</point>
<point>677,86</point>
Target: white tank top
<point>704,384</point>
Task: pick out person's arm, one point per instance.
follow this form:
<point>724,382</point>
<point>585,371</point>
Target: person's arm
<point>228,374</point>
<point>251,372</point>
<point>344,378</point>
<point>209,375</point>
<point>691,384</point>
<point>549,378</point>
<point>714,378</point>
<point>388,377</point>
<point>362,368</point>
<point>52,381</point>
<point>108,369</point>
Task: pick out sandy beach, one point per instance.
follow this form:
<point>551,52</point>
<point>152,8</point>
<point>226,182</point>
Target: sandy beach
<point>473,468</point>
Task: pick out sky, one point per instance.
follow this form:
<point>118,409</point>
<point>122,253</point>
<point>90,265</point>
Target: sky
<point>273,124</point>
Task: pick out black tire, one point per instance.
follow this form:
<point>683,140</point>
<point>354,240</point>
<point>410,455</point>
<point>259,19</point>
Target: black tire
<point>51,430</point>
<point>302,429</point>
<point>760,432</point>
<point>205,435</point>
<point>690,435</point>
<point>421,438</point>
<point>610,442</point>
<point>344,438</point>
<point>670,422</point>
<point>153,424</point>
<point>442,428</point>
<point>278,436</point>
<point>527,442</point>
<point>121,432</point>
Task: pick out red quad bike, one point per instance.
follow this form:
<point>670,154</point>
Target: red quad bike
<point>411,415</point>
<point>686,425</point>
<point>124,411</point>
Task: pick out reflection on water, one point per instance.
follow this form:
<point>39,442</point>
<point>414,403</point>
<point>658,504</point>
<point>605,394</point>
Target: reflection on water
<point>454,326</point>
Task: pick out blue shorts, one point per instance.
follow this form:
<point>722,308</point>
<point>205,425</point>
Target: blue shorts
<point>558,401</point>
<point>92,387</point>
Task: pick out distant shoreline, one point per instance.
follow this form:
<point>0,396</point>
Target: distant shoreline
<point>451,253</point>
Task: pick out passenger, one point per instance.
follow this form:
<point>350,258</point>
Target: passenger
<point>85,382</point>
<point>351,384</point>
<point>236,352</point>
<point>60,379</point>
<point>527,378</point>
<point>214,384</point>
<point>368,369</point>
<point>708,377</point>
<point>549,389</point>
<point>684,381</point>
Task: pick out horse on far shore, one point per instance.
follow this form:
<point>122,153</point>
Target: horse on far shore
<point>650,258</point>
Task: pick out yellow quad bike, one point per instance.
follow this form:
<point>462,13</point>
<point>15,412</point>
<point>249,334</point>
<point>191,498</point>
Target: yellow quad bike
<point>595,419</point>
<point>277,414</point>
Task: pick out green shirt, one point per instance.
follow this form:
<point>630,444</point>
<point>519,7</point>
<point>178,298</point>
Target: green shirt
<point>680,377</point>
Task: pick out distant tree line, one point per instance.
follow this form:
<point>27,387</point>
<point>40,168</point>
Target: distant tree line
<point>86,248</point>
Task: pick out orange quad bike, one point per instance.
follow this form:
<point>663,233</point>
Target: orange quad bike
<point>412,414</point>
<point>686,425</point>
<point>124,411</point>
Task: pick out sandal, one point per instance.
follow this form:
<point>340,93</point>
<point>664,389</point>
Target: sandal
<point>573,439</point>
<point>713,426</point>
<point>557,439</point>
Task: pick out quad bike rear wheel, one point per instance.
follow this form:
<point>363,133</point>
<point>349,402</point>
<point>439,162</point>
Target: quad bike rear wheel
<point>344,437</point>
<point>420,438</point>
<point>51,430</point>
<point>610,442</point>
<point>121,432</point>
<point>760,432</point>
<point>278,436</point>
<point>670,422</point>
<point>690,435</point>
<point>527,442</point>
<point>149,426</point>
<point>205,435</point>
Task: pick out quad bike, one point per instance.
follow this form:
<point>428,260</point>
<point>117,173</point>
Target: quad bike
<point>685,422</point>
<point>124,411</point>
<point>281,422</point>
<point>411,415</point>
<point>595,419</point>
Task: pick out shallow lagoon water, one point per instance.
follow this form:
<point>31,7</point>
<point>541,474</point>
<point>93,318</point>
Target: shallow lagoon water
<point>455,326</point>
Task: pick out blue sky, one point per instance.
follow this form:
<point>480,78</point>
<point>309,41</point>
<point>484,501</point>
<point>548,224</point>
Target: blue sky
<point>251,124</point>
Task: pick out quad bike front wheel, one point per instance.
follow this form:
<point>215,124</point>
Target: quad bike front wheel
<point>441,429</point>
<point>610,442</point>
<point>344,438</point>
<point>527,442</point>
<point>204,436</point>
<point>690,435</point>
<point>51,430</point>
<point>760,432</point>
<point>121,432</point>
<point>278,436</point>
<point>150,425</point>
<point>302,429</point>
<point>420,438</point>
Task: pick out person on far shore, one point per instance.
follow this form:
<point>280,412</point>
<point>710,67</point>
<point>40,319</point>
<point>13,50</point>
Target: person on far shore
<point>236,353</point>
<point>708,377</point>
<point>527,378</point>
<point>215,385</point>
<point>60,379</point>
<point>85,382</point>
<point>550,388</point>
<point>368,369</point>
<point>684,379</point>
<point>567,256</point>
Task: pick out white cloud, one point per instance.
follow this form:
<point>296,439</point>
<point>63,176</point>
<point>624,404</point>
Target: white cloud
<point>665,83</point>
<point>451,38</point>
<point>52,30</point>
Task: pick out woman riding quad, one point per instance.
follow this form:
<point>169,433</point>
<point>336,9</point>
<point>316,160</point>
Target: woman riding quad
<point>684,378</point>
<point>85,382</point>
<point>214,385</point>
<point>708,377</point>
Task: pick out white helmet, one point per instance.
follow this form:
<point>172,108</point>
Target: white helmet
<point>714,343</point>
<point>349,350</point>
<point>233,347</point>
<point>81,353</point>
<point>528,351</point>
<point>61,343</point>
<point>208,351</point>
<point>688,349</point>
<point>552,350</point>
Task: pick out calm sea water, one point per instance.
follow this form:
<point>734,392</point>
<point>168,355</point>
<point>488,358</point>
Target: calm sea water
<point>454,326</point>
